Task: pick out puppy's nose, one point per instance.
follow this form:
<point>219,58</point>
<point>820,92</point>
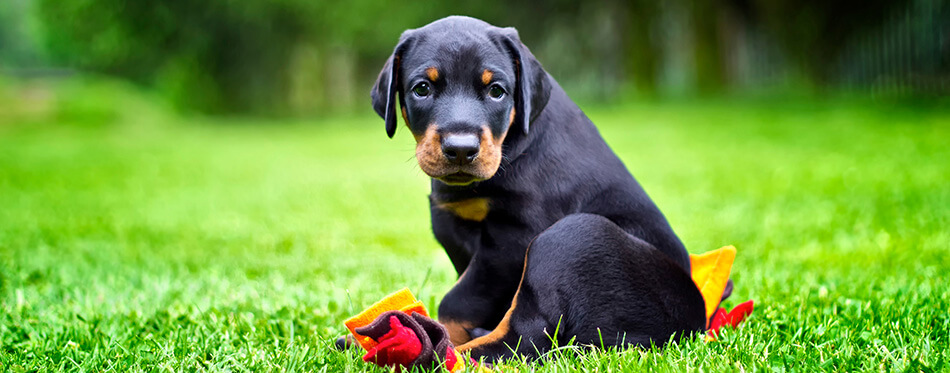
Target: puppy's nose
<point>460,149</point>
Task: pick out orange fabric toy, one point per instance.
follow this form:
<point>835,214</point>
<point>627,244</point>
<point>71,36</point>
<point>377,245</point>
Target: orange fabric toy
<point>711,274</point>
<point>402,300</point>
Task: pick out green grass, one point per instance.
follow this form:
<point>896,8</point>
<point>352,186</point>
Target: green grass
<point>144,242</point>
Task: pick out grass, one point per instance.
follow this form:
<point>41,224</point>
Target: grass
<point>138,241</point>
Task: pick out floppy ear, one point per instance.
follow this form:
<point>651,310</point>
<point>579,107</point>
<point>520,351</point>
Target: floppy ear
<point>532,88</point>
<point>387,84</point>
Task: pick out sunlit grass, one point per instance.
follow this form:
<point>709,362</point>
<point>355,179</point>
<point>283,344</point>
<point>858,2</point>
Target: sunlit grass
<point>161,243</point>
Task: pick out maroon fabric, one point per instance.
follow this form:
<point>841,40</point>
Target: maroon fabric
<point>399,347</point>
<point>407,341</point>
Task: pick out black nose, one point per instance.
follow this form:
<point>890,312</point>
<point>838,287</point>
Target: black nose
<point>460,149</point>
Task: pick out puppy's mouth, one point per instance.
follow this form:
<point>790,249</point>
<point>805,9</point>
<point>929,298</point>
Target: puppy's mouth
<point>436,163</point>
<point>458,178</point>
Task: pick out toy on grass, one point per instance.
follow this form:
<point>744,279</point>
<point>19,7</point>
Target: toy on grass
<point>397,330</point>
<point>710,272</point>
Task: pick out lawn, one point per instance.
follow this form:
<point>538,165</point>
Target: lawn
<point>143,241</point>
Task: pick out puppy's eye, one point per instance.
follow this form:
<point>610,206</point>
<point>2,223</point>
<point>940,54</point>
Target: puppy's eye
<point>421,89</point>
<point>496,92</point>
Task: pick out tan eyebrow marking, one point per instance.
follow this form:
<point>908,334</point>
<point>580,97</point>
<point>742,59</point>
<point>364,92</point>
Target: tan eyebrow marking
<point>432,73</point>
<point>486,76</point>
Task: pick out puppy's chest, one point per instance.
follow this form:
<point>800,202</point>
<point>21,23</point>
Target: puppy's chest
<point>481,222</point>
<point>461,221</point>
<point>473,210</point>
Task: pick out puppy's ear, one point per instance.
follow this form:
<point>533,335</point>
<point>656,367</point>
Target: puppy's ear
<point>387,85</point>
<point>532,88</point>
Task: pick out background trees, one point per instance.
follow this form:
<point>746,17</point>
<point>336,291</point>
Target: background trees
<point>303,57</point>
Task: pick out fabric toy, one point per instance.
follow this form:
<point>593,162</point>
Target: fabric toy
<point>397,331</point>
<point>710,272</point>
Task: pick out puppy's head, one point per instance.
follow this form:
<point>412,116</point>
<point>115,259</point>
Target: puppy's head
<point>461,85</point>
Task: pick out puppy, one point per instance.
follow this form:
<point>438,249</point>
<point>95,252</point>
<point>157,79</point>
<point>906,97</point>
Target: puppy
<point>552,237</point>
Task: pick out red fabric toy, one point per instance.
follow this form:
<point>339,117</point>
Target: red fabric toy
<point>733,318</point>
<point>397,332</point>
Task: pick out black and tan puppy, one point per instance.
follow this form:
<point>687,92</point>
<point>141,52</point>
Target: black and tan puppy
<point>546,227</point>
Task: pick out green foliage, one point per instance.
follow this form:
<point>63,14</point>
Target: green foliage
<point>142,242</point>
<point>215,56</point>
<point>19,35</point>
<point>814,33</point>
<point>301,57</point>
<point>224,56</point>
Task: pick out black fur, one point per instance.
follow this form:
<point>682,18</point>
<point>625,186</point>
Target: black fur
<point>590,281</point>
<point>607,259</point>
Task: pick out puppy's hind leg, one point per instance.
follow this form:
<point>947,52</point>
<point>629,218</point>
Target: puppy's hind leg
<point>589,281</point>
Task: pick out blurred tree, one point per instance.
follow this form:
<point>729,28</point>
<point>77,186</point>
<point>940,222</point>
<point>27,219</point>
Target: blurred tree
<point>642,45</point>
<point>706,17</point>
<point>19,44</point>
<point>812,33</point>
<point>217,56</point>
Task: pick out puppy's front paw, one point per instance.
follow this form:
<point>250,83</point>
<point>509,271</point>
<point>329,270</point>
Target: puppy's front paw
<point>346,342</point>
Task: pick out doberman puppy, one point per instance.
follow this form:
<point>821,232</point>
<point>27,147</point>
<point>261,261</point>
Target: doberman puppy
<point>552,237</point>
